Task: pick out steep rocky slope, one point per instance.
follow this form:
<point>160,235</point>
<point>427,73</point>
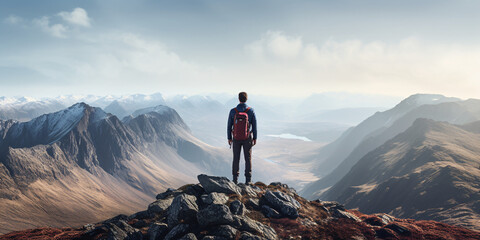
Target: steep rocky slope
<point>457,112</point>
<point>81,164</point>
<point>218,209</point>
<point>333,154</point>
<point>430,171</point>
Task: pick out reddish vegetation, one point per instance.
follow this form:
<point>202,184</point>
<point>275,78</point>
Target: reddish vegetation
<point>44,234</point>
<point>418,229</point>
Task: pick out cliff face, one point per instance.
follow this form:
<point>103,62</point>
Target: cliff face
<point>216,208</point>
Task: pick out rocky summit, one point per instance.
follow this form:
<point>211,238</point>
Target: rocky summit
<point>217,209</point>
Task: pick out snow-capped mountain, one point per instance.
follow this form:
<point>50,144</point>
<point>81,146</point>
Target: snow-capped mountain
<point>84,160</point>
<point>26,108</point>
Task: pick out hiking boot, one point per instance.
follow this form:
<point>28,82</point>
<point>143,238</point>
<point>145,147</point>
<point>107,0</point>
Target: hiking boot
<point>248,181</point>
<point>235,179</point>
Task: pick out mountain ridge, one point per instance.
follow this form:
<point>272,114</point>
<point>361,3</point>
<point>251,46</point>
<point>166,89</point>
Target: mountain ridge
<point>444,111</point>
<point>93,156</point>
<point>429,171</point>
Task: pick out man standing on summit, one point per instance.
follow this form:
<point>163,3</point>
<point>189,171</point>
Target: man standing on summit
<point>242,124</point>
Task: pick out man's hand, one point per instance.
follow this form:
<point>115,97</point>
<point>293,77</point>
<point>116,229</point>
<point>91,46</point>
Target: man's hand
<point>254,142</point>
<point>230,142</point>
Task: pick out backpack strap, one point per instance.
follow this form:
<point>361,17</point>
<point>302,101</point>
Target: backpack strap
<point>248,109</point>
<point>236,110</point>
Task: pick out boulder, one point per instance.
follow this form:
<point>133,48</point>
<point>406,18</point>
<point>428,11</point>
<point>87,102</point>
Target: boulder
<point>140,215</point>
<point>184,208</point>
<point>218,184</point>
<point>169,193</point>
<point>249,236</point>
<point>195,190</point>
<point>159,206</point>
<point>178,231</point>
<point>139,223</point>
<point>116,219</point>
<point>283,203</point>
<point>254,203</point>
<point>283,185</point>
<point>214,214</point>
<point>244,223</point>
<point>214,238</point>
<point>88,227</point>
<point>214,198</point>
<point>115,232</point>
<point>237,208</point>
<point>344,214</point>
<point>386,219</point>
<point>224,231</point>
<point>119,230</point>
<point>398,229</point>
<point>251,191</point>
<point>279,184</point>
<point>331,205</point>
<point>157,231</point>
<point>270,212</point>
<point>132,233</point>
<point>189,236</point>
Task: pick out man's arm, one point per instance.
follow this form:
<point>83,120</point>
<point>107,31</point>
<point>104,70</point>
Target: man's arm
<point>229,126</point>
<point>254,125</point>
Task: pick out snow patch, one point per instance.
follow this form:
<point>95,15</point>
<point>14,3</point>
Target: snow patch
<point>51,127</point>
<point>158,109</point>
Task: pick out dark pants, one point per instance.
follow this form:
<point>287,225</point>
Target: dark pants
<point>247,151</point>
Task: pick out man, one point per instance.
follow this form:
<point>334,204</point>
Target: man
<point>239,133</point>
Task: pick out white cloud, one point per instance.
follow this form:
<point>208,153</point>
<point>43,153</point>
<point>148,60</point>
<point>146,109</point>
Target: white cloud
<point>13,19</point>
<point>78,17</point>
<point>56,30</point>
<point>115,62</point>
<point>57,25</point>
<point>285,64</point>
<point>277,44</point>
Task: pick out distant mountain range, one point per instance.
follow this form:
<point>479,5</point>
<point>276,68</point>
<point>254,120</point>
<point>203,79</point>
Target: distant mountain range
<point>319,117</point>
<point>396,162</point>
<point>336,159</point>
<point>82,164</point>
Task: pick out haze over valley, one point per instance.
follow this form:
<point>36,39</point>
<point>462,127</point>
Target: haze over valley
<point>149,143</point>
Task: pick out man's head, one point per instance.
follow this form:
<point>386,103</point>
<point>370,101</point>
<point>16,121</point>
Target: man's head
<point>242,97</point>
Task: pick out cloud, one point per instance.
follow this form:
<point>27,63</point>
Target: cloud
<point>13,19</point>
<point>78,17</point>
<point>113,62</point>
<point>57,25</point>
<point>276,44</point>
<point>284,64</point>
<point>56,30</point>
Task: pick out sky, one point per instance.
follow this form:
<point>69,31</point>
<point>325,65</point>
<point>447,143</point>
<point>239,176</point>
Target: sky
<point>278,48</point>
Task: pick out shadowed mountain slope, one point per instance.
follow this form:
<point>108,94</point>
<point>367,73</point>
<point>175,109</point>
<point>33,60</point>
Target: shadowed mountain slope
<point>430,171</point>
<point>333,154</point>
<point>459,112</point>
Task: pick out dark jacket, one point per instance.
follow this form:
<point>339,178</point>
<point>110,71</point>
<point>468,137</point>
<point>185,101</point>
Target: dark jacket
<point>251,119</point>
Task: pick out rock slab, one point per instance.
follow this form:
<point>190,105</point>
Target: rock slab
<point>218,184</point>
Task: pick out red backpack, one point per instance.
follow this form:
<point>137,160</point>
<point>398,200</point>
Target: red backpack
<point>241,128</point>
